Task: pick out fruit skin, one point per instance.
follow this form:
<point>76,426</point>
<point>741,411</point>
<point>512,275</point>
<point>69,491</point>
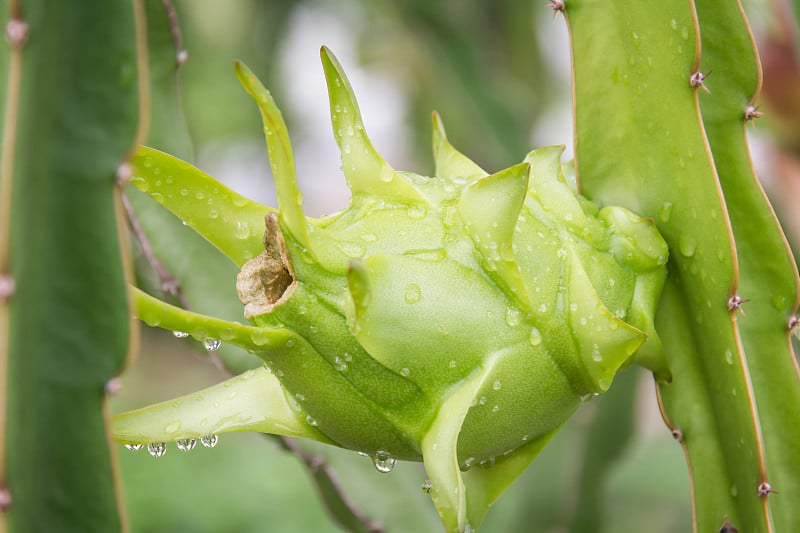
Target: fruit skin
<point>458,319</point>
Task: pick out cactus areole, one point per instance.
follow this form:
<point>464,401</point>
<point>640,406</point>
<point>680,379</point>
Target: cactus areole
<point>457,319</point>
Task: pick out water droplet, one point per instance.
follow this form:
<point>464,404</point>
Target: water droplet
<point>536,336</point>
<point>157,449</point>
<point>405,372</point>
<point>729,356</point>
<point>242,230</point>
<point>172,427</point>
<point>199,195</point>
<point>180,334</point>
<point>299,397</point>
<point>779,302</point>
<point>384,462</point>
<point>497,385</point>
<point>596,355</point>
<point>495,408</point>
<point>369,237</point>
<point>186,445</point>
<point>674,24</point>
<point>734,491</point>
<point>134,447</point>
<point>604,383</point>
<point>487,463</point>
<point>416,212</point>
<point>413,293</point>
<point>212,345</point>
<point>467,464</point>
<point>512,317</point>
<point>352,249</point>
<point>339,364</point>
<point>687,245</point>
<point>427,486</point>
<point>310,421</point>
<point>209,441</point>
<point>453,363</point>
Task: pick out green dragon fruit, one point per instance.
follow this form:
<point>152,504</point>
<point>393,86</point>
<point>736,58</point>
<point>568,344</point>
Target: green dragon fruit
<point>458,319</point>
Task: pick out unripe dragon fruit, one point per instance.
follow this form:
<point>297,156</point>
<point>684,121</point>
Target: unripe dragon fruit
<point>458,319</point>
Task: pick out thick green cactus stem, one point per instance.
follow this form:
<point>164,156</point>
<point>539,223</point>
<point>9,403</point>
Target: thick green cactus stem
<point>681,158</point>
<point>458,319</point>
<point>71,117</point>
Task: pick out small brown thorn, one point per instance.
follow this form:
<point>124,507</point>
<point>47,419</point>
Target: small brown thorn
<point>751,113</point>
<point>7,287</point>
<point>557,6</point>
<point>765,489</point>
<point>697,80</point>
<point>727,527</point>
<point>735,303</point>
<point>113,386</point>
<point>16,32</point>
<point>794,321</point>
<point>677,434</point>
<point>124,173</point>
<point>5,499</point>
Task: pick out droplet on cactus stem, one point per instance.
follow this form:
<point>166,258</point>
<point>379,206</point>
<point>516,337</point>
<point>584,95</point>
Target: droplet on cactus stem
<point>157,449</point>
<point>180,334</point>
<point>134,447</point>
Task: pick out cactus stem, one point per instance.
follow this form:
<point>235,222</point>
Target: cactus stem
<point>765,489</point>
<point>697,80</point>
<point>735,303</point>
<point>751,113</point>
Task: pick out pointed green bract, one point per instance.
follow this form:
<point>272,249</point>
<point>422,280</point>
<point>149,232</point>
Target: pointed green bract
<point>231,222</point>
<point>457,320</point>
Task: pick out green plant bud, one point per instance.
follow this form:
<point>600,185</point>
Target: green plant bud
<point>457,319</point>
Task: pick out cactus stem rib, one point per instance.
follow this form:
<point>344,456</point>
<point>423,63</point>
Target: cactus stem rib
<point>16,33</point>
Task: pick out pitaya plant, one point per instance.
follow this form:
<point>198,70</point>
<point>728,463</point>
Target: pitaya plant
<point>458,319</point>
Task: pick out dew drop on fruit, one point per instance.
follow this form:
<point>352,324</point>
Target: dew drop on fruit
<point>157,449</point>
<point>186,445</point>
<point>384,462</point>
<point>209,441</point>
<point>212,345</point>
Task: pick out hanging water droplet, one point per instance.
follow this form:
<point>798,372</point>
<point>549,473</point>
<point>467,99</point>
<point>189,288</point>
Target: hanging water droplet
<point>157,449</point>
<point>186,445</point>
<point>134,447</point>
<point>180,334</point>
<point>427,486</point>
<point>209,441</point>
<point>536,336</point>
<point>212,345</point>
<point>384,462</point>
<point>467,464</point>
<point>487,463</point>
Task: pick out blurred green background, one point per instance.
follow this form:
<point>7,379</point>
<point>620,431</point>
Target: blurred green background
<point>498,72</point>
